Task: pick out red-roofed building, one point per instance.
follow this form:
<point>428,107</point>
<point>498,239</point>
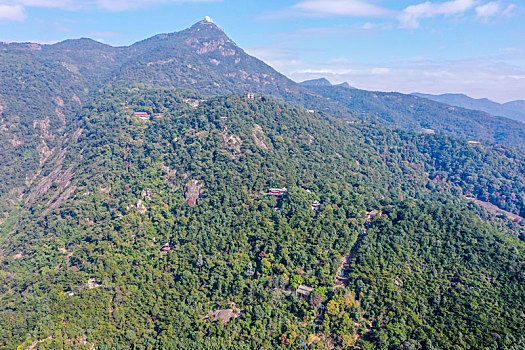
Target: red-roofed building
<point>277,191</point>
<point>166,248</point>
<point>142,115</point>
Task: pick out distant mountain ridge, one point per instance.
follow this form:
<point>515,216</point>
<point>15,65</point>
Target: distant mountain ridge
<point>316,82</point>
<point>420,114</point>
<point>513,109</point>
<point>324,82</point>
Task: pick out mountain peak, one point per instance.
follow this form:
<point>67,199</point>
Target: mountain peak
<point>80,44</point>
<point>346,85</point>
<point>205,24</point>
<point>205,29</point>
<point>316,82</point>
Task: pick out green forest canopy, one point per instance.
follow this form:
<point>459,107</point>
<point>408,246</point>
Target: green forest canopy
<point>434,271</point>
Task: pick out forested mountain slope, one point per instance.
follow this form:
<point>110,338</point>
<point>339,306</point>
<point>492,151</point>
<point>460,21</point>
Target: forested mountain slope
<point>44,86</point>
<point>420,114</point>
<point>81,256</point>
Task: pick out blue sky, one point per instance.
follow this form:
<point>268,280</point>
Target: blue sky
<point>435,46</point>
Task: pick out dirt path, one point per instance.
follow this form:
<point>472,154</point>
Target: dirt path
<point>341,277</point>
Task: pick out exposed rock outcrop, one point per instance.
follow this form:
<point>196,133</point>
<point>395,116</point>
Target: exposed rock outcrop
<point>259,137</point>
<point>192,192</point>
<point>232,142</point>
<point>225,315</point>
<point>141,207</point>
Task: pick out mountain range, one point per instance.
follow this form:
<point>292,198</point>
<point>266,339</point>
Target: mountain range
<point>180,194</point>
<point>513,109</point>
<point>421,114</point>
<point>44,86</point>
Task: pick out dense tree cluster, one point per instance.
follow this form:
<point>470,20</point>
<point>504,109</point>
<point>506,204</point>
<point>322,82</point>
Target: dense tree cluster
<point>434,271</point>
<point>45,86</point>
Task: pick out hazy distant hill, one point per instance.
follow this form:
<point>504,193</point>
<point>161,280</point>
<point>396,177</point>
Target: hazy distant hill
<point>513,110</point>
<point>421,114</point>
<point>324,82</point>
<point>346,85</point>
<point>316,82</point>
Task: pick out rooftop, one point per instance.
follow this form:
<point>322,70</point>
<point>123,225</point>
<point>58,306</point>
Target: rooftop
<point>304,290</point>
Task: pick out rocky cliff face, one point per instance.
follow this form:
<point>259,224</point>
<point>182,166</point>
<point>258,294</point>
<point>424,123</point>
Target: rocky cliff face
<point>192,192</point>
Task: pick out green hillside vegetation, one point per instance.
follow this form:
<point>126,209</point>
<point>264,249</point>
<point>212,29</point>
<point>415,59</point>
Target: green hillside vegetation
<point>432,274</point>
<point>45,86</point>
<point>81,256</point>
<point>420,114</point>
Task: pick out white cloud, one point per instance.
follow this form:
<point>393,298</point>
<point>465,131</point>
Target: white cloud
<point>340,8</point>
<point>509,10</point>
<point>124,5</point>
<point>12,13</point>
<point>324,71</point>
<point>494,8</point>
<point>480,77</point>
<point>64,4</point>
<point>380,71</point>
<point>411,15</point>
<point>489,9</point>
<point>368,26</point>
